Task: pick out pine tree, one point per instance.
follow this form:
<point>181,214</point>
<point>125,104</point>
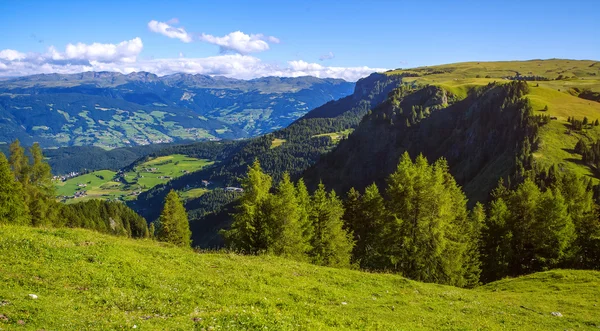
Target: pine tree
<point>496,249</point>
<point>473,257</point>
<point>370,243</point>
<point>287,230</point>
<point>250,228</point>
<point>174,226</point>
<point>331,244</point>
<point>19,163</point>
<point>352,212</point>
<point>13,209</point>
<point>152,231</point>
<point>40,190</point>
<point>578,196</point>
<point>304,211</point>
<point>432,230</point>
<point>523,206</point>
<point>41,173</point>
<point>553,231</point>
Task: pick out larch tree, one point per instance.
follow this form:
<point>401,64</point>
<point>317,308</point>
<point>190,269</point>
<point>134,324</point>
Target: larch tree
<point>174,226</point>
<point>304,208</point>
<point>553,231</point>
<point>331,243</point>
<point>496,238</point>
<point>371,226</point>
<point>287,230</point>
<point>19,163</point>
<point>432,230</point>
<point>40,190</point>
<point>250,230</point>
<point>13,209</point>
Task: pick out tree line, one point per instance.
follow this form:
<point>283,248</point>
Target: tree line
<point>420,227</point>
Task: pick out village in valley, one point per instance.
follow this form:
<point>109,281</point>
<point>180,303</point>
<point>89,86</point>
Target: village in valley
<point>126,184</point>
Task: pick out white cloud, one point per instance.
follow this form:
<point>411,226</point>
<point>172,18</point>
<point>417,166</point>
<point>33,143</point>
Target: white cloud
<point>11,55</point>
<point>327,56</point>
<point>240,42</point>
<point>124,57</point>
<point>170,31</point>
<point>302,68</point>
<point>125,51</point>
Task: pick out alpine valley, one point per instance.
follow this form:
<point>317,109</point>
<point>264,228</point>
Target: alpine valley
<point>110,110</point>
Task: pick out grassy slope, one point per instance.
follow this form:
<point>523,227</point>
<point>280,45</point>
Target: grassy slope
<point>85,280</point>
<point>556,145</point>
<point>171,166</point>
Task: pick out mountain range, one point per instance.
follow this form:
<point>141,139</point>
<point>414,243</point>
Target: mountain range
<point>109,110</point>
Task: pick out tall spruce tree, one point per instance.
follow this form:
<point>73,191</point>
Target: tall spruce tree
<point>371,241</point>
<point>304,208</point>
<point>331,244</point>
<point>40,190</point>
<point>250,230</point>
<point>496,249</point>
<point>19,163</point>
<point>13,209</point>
<point>174,226</point>
<point>432,230</point>
<point>286,220</point>
<point>553,231</point>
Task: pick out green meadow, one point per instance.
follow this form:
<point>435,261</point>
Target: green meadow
<point>84,280</point>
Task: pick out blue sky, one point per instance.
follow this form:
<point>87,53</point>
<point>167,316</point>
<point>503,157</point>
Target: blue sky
<point>345,39</point>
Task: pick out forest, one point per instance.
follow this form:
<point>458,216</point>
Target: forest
<point>418,224</point>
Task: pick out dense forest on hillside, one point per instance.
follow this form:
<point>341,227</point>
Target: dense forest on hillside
<point>480,136</point>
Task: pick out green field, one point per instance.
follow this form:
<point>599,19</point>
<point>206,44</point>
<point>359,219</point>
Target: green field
<point>89,281</point>
<point>192,193</point>
<point>557,141</point>
<point>335,136</point>
<point>105,184</point>
<point>277,142</point>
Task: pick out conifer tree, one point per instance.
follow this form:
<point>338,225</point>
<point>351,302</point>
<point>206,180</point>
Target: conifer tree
<point>304,208</point>
<point>523,206</point>
<point>432,228</point>
<point>352,210</point>
<point>19,163</point>
<point>250,230</point>
<point>371,241</point>
<point>174,226</point>
<point>40,190</point>
<point>473,256</point>
<point>152,230</point>
<point>40,172</point>
<point>331,244</point>
<point>553,232</point>
<point>287,230</point>
<point>496,250</point>
<point>13,209</point>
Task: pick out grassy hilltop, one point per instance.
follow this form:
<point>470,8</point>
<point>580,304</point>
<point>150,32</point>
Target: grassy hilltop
<point>85,280</point>
<point>567,78</point>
